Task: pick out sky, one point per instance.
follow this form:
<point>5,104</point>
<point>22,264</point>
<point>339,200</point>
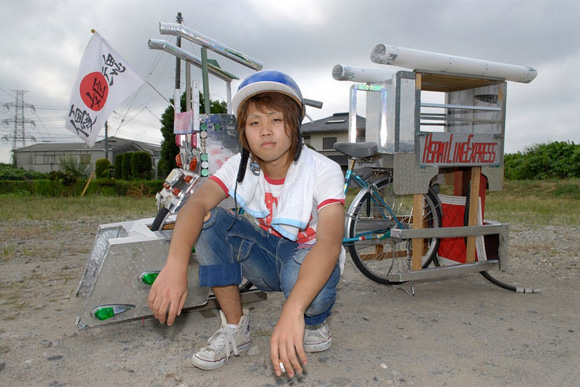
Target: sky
<point>42,43</point>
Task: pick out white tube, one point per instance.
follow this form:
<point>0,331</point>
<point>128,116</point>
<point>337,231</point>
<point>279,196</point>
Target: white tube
<point>361,74</point>
<point>432,61</point>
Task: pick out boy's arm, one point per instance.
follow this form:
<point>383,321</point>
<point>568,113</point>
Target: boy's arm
<point>169,291</point>
<point>287,338</point>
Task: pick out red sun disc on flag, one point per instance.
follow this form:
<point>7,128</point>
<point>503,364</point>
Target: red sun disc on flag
<point>94,90</point>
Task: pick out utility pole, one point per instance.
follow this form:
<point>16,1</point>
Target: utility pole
<point>177,97</point>
<point>107,141</point>
<point>19,119</point>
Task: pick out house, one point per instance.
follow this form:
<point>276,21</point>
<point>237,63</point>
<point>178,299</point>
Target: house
<point>322,134</point>
<point>47,157</point>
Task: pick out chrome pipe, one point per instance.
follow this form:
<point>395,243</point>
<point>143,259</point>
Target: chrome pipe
<point>156,44</point>
<point>211,44</point>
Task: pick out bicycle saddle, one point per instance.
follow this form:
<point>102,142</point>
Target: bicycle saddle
<point>357,150</point>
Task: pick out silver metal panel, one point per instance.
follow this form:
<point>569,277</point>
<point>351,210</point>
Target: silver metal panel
<point>441,272</point>
<point>111,234</point>
<point>376,121</point>
<point>449,232</point>
<point>476,120</point>
<point>121,254</point>
<point>376,114</point>
<point>502,254</point>
<point>489,228</point>
<point>408,178</point>
<point>472,120</point>
<point>118,281</point>
<point>494,177</point>
<point>407,106</point>
<point>221,142</point>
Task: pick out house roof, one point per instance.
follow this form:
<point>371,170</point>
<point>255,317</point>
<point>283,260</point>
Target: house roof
<point>338,122</point>
<point>114,142</point>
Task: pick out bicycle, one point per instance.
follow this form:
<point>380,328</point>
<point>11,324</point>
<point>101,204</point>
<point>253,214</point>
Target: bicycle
<point>375,211</point>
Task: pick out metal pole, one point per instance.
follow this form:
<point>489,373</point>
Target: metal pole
<point>177,96</point>
<point>177,61</point>
<point>107,141</point>
<point>187,87</point>
<point>205,77</point>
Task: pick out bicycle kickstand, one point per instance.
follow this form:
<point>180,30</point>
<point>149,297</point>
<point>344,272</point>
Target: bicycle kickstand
<point>411,290</point>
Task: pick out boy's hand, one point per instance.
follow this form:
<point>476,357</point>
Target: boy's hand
<point>168,294</point>
<point>287,344</point>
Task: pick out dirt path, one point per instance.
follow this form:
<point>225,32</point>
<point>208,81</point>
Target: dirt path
<point>461,331</point>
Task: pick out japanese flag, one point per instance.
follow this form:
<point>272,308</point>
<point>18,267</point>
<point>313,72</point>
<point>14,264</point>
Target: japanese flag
<point>104,80</point>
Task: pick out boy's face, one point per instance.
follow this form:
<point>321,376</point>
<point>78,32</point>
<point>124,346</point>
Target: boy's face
<point>266,134</point>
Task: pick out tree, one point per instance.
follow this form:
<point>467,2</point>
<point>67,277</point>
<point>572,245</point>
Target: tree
<point>103,168</point>
<point>168,147</point>
<point>141,164</point>
<point>118,169</point>
<point>126,165</point>
<point>554,160</point>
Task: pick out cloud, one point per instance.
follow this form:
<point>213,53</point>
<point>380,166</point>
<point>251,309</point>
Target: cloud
<point>43,43</point>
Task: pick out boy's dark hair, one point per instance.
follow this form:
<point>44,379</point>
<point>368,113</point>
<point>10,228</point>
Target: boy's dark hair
<point>291,112</point>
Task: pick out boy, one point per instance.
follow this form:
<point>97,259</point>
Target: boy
<point>295,197</point>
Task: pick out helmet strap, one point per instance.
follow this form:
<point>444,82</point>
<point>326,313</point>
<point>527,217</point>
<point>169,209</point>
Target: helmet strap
<point>299,149</point>
<point>243,164</point>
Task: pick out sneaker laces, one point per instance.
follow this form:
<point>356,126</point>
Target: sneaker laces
<point>224,337</point>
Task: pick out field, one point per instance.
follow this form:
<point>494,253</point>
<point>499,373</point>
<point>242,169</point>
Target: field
<point>454,332</point>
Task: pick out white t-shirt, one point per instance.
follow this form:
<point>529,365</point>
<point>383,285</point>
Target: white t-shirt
<point>328,189</point>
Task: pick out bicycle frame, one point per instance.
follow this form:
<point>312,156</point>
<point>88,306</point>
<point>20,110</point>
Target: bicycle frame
<point>351,176</point>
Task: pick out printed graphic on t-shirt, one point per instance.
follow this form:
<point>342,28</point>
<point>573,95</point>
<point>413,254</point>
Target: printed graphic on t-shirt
<point>266,223</point>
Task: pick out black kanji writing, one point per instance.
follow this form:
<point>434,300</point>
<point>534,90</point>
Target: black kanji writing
<point>81,120</point>
<point>111,68</point>
<point>97,94</point>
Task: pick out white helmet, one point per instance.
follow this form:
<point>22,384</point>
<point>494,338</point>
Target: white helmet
<point>267,81</point>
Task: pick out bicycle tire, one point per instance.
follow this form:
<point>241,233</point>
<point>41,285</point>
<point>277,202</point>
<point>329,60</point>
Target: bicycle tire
<point>160,219</point>
<point>376,258</point>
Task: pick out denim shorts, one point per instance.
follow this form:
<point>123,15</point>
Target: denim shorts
<point>228,249</point>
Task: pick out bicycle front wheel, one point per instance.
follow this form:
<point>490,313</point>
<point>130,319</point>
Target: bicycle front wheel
<point>372,214</point>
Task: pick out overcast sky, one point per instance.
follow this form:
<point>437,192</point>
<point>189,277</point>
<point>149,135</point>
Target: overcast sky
<point>42,42</point>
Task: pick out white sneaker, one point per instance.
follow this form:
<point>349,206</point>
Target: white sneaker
<point>317,338</point>
<point>223,343</point>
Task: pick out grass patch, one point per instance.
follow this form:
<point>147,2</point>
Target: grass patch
<point>537,202</point>
<point>8,252</point>
<point>568,190</point>
<point>16,208</point>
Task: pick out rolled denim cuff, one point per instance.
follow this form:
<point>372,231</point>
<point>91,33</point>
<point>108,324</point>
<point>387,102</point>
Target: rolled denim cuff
<point>220,275</point>
<point>315,320</point>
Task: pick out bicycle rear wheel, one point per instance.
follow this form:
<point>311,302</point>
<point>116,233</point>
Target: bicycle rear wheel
<point>376,254</point>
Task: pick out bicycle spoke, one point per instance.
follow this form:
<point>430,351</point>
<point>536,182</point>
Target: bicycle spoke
<point>372,215</point>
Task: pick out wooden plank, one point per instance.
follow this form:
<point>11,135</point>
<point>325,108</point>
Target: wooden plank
<point>452,82</point>
<point>383,255</point>
<point>417,257</point>
<point>473,211</point>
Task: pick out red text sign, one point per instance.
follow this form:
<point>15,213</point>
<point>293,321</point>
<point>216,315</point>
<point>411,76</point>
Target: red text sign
<point>459,149</point>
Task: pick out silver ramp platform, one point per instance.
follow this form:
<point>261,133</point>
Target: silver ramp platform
<point>125,260</point>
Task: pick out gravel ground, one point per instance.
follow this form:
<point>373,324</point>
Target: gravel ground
<point>460,331</point>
